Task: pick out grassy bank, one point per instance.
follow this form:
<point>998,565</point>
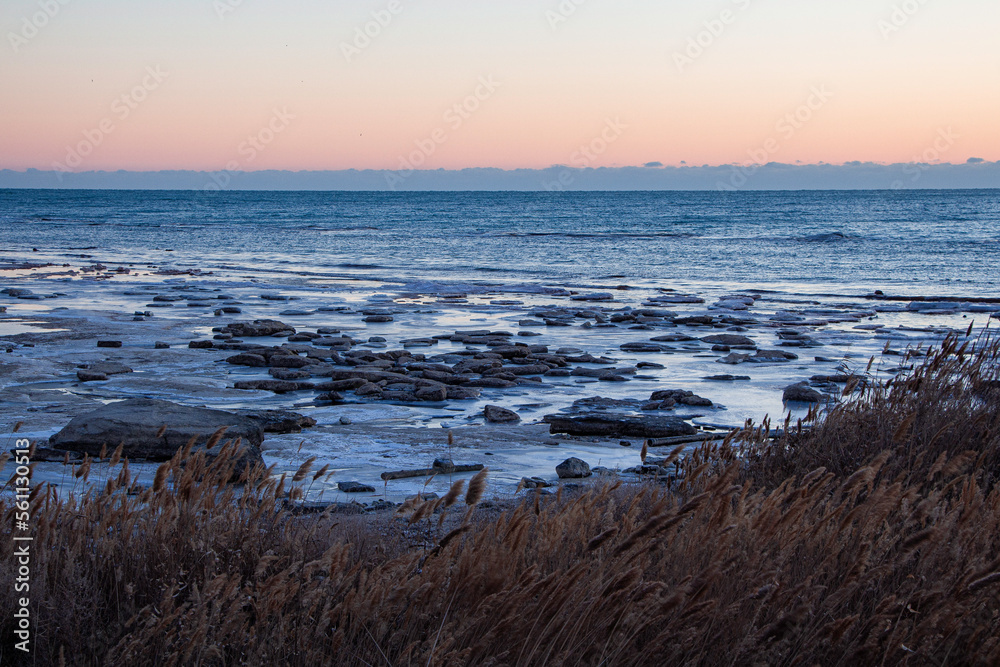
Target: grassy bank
<point>872,537</point>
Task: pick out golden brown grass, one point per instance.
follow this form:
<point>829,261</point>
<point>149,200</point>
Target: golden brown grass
<point>872,538</point>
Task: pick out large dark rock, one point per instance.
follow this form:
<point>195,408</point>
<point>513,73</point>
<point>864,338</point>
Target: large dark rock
<point>136,423</point>
<point>609,425</point>
<point>573,468</point>
<point>802,393</point>
<point>497,415</point>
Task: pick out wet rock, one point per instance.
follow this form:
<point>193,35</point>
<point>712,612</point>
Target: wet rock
<point>137,422</point>
<point>463,393</point>
<point>201,345</point>
<point>161,345</point>
<point>109,368</point>
<point>257,328</point>
<point>368,389</point>
<point>109,343</point>
<point>681,396</point>
<point>727,378</point>
<point>498,415</point>
<point>355,487</point>
<point>643,347</point>
<point>277,386</point>
<point>573,468</point>
<point>342,385</point>
<point>288,374</point>
<point>534,483</point>
<point>432,394</point>
<point>730,340</point>
<point>288,361</point>
<point>90,376</point>
<point>376,319</point>
<point>764,356</point>
<point>610,425</point>
<point>248,359</point>
<point>802,393</point>
<point>279,421</point>
<point>345,421</point>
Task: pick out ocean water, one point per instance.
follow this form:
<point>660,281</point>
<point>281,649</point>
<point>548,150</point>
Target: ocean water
<point>927,242</point>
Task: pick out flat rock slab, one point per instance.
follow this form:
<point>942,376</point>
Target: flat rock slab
<point>609,425</point>
<point>136,423</point>
<point>355,487</point>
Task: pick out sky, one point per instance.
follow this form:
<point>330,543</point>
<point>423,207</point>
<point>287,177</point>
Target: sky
<point>248,85</point>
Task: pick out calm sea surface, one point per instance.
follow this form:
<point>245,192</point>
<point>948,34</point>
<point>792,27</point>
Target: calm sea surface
<point>927,242</point>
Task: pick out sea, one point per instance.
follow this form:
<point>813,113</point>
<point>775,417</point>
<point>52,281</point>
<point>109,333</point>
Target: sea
<point>925,242</point>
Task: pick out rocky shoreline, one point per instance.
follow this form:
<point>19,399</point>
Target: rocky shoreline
<point>532,393</point>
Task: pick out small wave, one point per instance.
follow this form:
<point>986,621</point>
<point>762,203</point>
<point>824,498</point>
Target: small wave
<point>597,235</point>
<point>829,237</point>
<point>351,265</point>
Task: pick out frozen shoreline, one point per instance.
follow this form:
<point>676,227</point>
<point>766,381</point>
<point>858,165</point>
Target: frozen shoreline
<point>51,331</point>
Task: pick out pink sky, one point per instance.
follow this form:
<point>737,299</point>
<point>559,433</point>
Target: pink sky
<point>197,84</point>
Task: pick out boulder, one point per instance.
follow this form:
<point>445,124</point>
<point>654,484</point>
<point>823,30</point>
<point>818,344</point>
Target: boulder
<point>136,423</point>
<point>90,376</point>
<point>573,468</point>
<point>432,394</point>
<point>355,487</point>
<point>610,425</point>
<point>802,393</point>
<point>248,359</point>
<point>497,415</point>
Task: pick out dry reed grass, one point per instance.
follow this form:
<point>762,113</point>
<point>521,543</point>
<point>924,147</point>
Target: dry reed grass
<point>872,538</point>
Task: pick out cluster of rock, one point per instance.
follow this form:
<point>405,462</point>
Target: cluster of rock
<point>331,364</point>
